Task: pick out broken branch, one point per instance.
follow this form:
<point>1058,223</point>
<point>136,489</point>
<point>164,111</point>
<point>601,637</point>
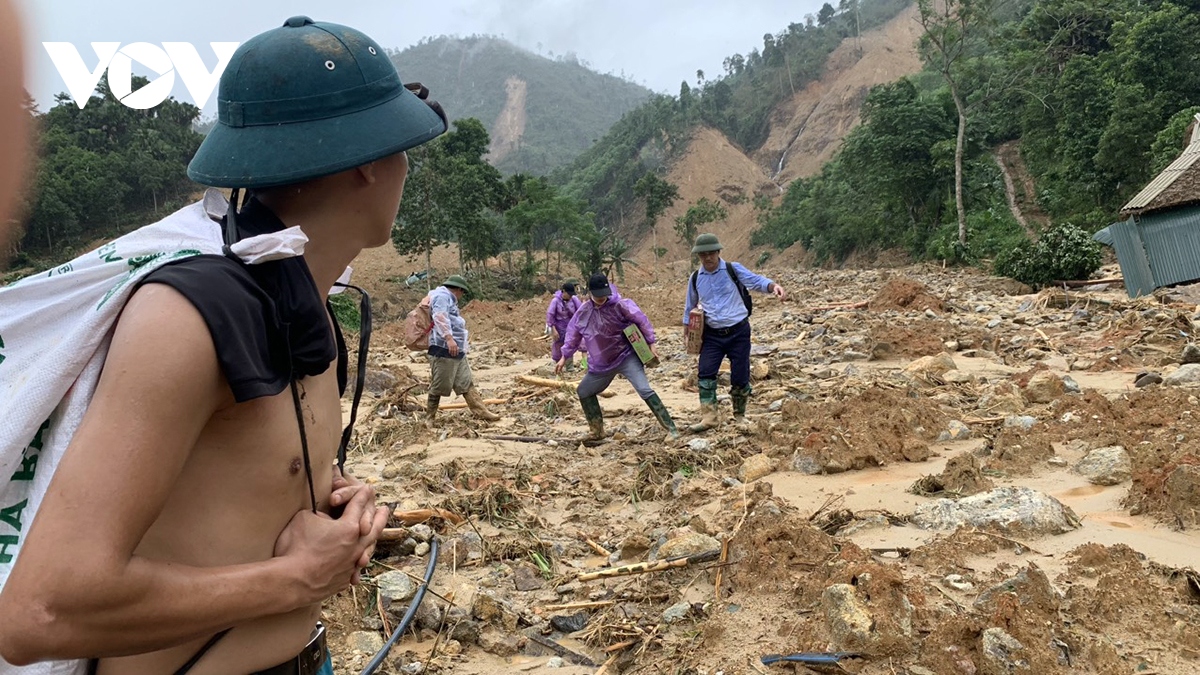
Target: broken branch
<point>659,566</point>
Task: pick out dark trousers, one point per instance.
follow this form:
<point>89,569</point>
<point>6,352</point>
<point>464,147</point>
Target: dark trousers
<point>719,343</point>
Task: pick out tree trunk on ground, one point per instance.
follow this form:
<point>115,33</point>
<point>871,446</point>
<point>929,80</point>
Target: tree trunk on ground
<point>958,163</point>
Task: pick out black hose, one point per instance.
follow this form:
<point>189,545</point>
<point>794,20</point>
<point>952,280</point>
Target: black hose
<point>408,616</point>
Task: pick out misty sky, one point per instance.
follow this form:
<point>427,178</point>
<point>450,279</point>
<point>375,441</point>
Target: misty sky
<point>657,43</point>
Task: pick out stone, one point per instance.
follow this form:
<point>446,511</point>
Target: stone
<point>1146,379</point>
<point>1032,588</point>
<point>569,623</point>
<point>1025,422</point>
<point>776,405</point>
<point>1057,461</point>
<point>848,621</point>
<point>421,549</point>
<point>700,445</point>
<point>379,382</point>
<point>955,431</point>
<point>931,365</point>
<point>462,549</point>
<point>687,544</point>
<point>1186,374</point>
<point>806,465</point>
<point>414,668</point>
<point>1001,653</point>
<point>993,323</point>
<point>677,612</point>
<point>1183,493</point>
<point>1044,387</point>
<point>421,532</point>
<point>1191,354</point>
<point>851,355</point>
<point>465,631</point>
<point>958,583</point>
<point>492,610</point>
<point>1009,509</point>
<point>958,377</point>
<point>760,370</point>
<point>555,662</point>
<point>501,644</point>
<point>755,467</point>
<point>395,588</point>
<point>364,642</point>
<point>1070,385</point>
<point>1106,466</point>
<point>527,578</point>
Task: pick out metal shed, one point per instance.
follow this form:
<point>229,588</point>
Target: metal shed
<point>1159,244</point>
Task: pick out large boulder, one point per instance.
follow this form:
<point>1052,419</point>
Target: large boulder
<point>1106,466</point>
<point>1188,373</point>
<point>1009,509</point>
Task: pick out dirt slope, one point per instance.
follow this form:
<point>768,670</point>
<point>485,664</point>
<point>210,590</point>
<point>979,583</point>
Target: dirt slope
<point>809,128</point>
<point>510,123</point>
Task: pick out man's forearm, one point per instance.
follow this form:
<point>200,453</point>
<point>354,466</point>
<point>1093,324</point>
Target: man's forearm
<point>150,605</point>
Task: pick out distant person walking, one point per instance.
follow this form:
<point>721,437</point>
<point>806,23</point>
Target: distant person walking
<point>563,306</point>
<point>449,369</point>
<point>600,327</point>
<point>722,290</point>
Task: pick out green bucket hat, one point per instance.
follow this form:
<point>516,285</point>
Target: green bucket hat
<point>455,281</point>
<point>308,100</point>
<point>706,243</point>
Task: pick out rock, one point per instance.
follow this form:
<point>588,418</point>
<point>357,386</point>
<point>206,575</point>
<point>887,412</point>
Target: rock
<point>760,370</point>
<point>1186,374</point>
<point>688,544</point>
<point>776,405</point>
<point>958,583</point>
<point>421,549</point>
<point>955,431</point>
<point>379,382</point>
<point>1071,386</point>
<point>465,631</point>
<point>395,590</point>
<point>677,612</point>
<point>430,614</point>
<point>364,642</point>
<point>1191,354</point>
<point>569,623</point>
<point>526,578</point>
<point>755,467</point>
<point>848,621</point>
<point>1044,387</point>
<point>490,609</point>
<point>414,668</point>
<point>1016,509</point>
<point>1183,493</point>
<point>421,532</point>
<point>1025,422</point>
<point>1030,585</point>
<point>993,323</point>
<point>1147,379</point>
<point>850,355</point>
<point>1057,461</point>
<point>700,445</point>
<point>958,377</point>
<point>501,644</point>
<point>931,365</point>
<point>555,662</point>
<point>806,465</point>
<point>1001,653</point>
<point>635,546</point>
<point>1106,466</point>
<point>462,549</point>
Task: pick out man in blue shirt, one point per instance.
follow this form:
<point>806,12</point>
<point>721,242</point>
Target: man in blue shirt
<point>449,370</point>
<point>721,289</point>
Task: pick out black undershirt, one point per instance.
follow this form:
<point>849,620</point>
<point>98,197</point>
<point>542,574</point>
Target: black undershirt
<point>267,321</point>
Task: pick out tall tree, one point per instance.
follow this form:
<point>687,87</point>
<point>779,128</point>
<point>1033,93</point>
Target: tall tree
<point>422,225</point>
<point>703,212</point>
<point>948,26</point>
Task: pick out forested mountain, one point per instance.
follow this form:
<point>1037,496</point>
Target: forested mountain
<point>541,113</point>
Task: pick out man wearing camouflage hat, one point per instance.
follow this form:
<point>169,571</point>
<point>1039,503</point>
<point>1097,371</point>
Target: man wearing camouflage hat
<point>722,290</point>
<point>197,518</point>
<point>449,370</point>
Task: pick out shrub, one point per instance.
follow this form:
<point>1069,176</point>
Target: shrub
<point>1062,252</point>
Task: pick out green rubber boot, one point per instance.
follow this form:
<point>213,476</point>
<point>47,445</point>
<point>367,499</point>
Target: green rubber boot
<point>660,412</point>
<point>740,396</point>
<point>708,407</point>
<point>594,416</point>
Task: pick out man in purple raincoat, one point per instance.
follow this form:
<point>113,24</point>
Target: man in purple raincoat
<point>599,327</point>
<point>563,306</point>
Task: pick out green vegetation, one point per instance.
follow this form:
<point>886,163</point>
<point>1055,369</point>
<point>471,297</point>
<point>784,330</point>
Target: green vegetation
<point>703,212</point>
<point>568,105</point>
<point>103,171</point>
<point>1062,252</point>
<point>1099,94</point>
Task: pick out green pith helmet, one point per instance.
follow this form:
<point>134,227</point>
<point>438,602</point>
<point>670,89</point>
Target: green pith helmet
<point>455,281</point>
<point>308,100</point>
<point>706,243</point>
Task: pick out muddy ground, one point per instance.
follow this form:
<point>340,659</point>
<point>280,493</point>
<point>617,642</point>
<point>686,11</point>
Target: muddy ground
<point>877,394</point>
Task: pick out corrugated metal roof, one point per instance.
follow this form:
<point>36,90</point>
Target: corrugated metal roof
<point>1145,199</point>
<point>1104,236</point>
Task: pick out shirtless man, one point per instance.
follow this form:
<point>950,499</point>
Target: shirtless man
<point>183,506</point>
